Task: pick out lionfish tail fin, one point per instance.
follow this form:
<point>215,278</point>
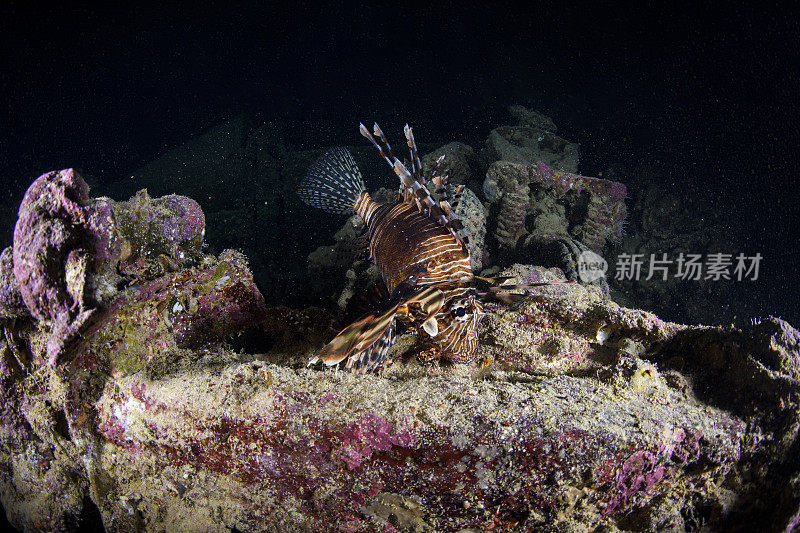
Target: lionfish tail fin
<point>333,182</point>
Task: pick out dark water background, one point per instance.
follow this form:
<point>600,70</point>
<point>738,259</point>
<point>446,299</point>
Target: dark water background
<point>706,95</point>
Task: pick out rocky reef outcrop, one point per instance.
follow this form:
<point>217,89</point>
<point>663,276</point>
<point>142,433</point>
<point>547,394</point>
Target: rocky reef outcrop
<point>69,250</point>
<point>181,402</point>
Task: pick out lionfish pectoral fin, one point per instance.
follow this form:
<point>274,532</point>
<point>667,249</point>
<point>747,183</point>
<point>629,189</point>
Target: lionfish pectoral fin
<point>510,299</point>
<point>493,281</point>
<point>364,343</point>
<point>344,343</point>
<point>374,354</point>
<point>375,343</point>
<point>430,301</point>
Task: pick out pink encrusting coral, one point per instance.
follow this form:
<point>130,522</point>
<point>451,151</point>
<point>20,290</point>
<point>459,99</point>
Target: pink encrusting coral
<point>640,474</point>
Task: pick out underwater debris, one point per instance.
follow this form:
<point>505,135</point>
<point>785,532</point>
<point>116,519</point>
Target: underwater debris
<point>591,210</point>
<point>460,164</point>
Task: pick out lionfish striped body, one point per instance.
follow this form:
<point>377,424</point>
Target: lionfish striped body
<point>404,244</point>
<point>421,251</point>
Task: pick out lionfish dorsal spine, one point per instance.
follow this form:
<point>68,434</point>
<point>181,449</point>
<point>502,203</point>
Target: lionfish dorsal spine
<point>416,164</point>
<point>412,185</point>
<point>454,224</point>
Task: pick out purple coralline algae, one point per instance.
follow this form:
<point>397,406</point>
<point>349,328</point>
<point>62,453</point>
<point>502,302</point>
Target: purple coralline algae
<point>52,254</point>
<point>72,252</point>
<point>226,300</point>
<point>166,229</point>
<point>11,303</point>
<point>370,434</point>
<point>643,472</point>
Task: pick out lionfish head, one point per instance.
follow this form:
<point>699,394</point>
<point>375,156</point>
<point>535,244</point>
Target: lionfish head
<point>458,321</point>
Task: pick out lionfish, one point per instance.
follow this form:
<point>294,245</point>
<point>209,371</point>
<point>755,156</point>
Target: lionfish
<point>422,252</point>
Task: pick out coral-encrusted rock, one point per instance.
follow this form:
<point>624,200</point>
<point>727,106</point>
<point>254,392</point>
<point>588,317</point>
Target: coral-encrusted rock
<point>11,303</point>
<point>49,412</point>
<point>52,251</point>
<point>613,434</point>
<point>776,346</point>
<point>68,249</point>
<point>171,226</point>
<point>151,326</point>
<point>566,327</point>
<point>224,302</point>
<point>472,214</point>
<point>469,452</point>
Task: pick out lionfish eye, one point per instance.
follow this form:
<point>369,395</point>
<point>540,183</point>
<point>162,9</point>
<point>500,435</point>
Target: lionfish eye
<point>460,311</point>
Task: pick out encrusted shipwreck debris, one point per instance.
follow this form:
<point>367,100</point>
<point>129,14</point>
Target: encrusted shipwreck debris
<point>551,204</point>
<point>586,413</point>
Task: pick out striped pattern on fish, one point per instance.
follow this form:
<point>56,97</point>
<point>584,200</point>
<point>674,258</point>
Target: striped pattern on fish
<point>423,255</point>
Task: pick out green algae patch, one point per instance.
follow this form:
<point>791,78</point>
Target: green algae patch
<point>154,327</point>
<point>219,273</point>
<point>137,337</point>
